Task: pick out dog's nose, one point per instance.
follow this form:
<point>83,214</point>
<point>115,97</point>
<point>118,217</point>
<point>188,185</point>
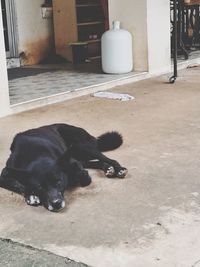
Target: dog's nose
<point>57,203</point>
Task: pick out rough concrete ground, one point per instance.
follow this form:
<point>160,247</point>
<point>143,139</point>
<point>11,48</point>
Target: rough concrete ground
<point>15,255</point>
<point>152,218</point>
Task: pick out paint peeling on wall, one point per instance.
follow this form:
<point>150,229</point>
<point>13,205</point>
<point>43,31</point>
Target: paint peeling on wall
<point>34,52</point>
<point>36,37</point>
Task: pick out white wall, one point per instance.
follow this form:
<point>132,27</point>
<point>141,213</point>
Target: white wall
<point>133,17</point>
<point>35,33</point>
<point>4,93</point>
<point>149,23</point>
<point>158,30</point>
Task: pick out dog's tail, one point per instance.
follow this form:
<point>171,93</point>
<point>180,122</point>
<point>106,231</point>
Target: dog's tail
<point>109,141</point>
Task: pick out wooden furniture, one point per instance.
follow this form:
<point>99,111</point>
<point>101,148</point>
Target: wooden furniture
<point>79,21</point>
<point>191,2</point>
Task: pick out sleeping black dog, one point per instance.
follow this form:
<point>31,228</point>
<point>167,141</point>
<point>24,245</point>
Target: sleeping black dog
<point>45,161</point>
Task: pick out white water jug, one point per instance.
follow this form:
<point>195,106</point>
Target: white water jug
<point>116,50</point>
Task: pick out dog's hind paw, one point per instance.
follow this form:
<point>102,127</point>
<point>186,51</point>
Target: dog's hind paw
<point>110,172</point>
<point>33,200</point>
<point>122,173</point>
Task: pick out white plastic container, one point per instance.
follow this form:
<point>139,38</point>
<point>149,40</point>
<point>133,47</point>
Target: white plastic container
<point>116,50</point>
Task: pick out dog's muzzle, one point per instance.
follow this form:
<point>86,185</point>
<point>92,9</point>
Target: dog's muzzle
<point>54,200</point>
<point>56,205</point>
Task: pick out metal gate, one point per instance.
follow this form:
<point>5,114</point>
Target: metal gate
<point>185,33</point>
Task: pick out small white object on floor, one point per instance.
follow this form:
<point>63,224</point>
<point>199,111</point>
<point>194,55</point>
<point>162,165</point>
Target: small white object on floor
<point>116,96</point>
<point>195,65</point>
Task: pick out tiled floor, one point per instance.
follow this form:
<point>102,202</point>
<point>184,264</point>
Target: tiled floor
<point>41,81</point>
<point>192,55</point>
<point>54,81</point>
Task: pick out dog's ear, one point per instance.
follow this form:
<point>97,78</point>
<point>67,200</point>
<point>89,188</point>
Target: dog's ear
<point>18,174</point>
<point>64,160</point>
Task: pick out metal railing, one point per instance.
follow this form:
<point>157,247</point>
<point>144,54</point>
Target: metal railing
<point>188,27</point>
<point>185,30</point>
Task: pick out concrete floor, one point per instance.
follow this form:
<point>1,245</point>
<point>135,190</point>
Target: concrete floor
<point>151,218</point>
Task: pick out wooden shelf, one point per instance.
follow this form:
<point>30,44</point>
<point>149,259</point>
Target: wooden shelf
<point>192,2</point>
<point>93,58</point>
<point>93,41</point>
<point>88,5</point>
<point>78,21</point>
<point>90,23</point>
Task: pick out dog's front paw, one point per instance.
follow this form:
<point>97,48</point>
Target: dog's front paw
<point>33,200</point>
<point>85,179</point>
<point>122,173</point>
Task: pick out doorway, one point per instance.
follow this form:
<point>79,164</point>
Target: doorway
<point>9,26</point>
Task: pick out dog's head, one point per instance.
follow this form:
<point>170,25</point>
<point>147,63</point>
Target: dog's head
<point>48,181</point>
<point>45,178</point>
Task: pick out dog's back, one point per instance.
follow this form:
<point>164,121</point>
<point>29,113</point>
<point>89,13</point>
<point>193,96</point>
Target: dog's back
<point>30,145</point>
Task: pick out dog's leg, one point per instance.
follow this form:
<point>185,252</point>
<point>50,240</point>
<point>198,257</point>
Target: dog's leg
<point>10,183</point>
<point>31,198</point>
<point>108,169</point>
<point>15,186</point>
<point>88,152</point>
<point>119,171</point>
<point>77,174</point>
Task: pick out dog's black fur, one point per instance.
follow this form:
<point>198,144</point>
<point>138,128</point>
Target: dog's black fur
<point>47,160</point>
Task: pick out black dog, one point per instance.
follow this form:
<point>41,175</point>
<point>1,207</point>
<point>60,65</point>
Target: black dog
<point>47,160</point>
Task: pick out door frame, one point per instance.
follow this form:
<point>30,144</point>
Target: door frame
<point>12,29</point>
